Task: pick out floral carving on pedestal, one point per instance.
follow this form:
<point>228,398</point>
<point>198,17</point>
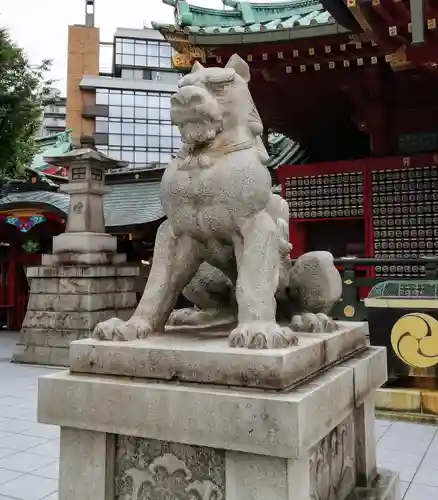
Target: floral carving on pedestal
<point>332,467</point>
<point>155,470</point>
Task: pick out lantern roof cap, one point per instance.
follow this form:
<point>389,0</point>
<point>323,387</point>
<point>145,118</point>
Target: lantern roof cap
<point>86,151</point>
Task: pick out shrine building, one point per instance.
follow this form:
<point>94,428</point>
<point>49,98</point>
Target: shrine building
<point>353,82</point>
<point>346,93</point>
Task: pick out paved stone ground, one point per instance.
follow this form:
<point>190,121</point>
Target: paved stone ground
<point>29,452</point>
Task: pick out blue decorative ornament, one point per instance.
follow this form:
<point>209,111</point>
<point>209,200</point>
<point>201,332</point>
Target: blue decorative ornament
<point>25,224</point>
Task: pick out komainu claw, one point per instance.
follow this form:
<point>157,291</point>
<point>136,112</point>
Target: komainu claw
<point>261,335</point>
<point>313,323</point>
<point>116,329</point>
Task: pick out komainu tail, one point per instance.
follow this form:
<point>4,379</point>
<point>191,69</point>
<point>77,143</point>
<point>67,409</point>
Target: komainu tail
<point>315,283</point>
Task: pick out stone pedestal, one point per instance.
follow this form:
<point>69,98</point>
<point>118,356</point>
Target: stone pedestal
<point>175,416</point>
<point>69,294</point>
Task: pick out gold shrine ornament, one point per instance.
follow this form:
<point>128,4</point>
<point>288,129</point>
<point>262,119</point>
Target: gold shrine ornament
<point>414,339</point>
<point>349,311</point>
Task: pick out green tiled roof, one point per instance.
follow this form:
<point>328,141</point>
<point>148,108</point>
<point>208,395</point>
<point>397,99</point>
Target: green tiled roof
<point>125,205</point>
<point>246,17</point>
<point>57,200</point>
<point>405,289</point>
<point>53,145</point>
<point>284,151</point>
<point>131,204</point>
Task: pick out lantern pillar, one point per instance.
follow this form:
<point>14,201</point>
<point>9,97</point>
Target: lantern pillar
<point>85,229</point>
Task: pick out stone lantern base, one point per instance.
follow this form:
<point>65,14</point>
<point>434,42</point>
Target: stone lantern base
<point>71,292</point>
<point>84,243</point>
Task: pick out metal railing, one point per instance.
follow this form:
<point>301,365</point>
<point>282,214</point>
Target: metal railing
<point>358,275</point>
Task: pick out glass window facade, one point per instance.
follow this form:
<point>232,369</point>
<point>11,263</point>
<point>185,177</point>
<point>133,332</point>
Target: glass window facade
<point>133,74</point>
<point>137,124</point>
<point>138,127</point>
<point>55,109</point>
<point>165,76</point>
<point>147,74</point>
<point>144,53</point>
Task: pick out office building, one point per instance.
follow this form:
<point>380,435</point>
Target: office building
<point>127,110</point>
<point>53,120</point>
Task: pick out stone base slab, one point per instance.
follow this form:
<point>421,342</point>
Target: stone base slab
<point>79,242</point>
<point>421,403</point>
<point>80,303</point>
<point>399,400</point>
<point>67,301</point>
<point>46,335</point>
<point>72,258</point>
<point>387,487</point>
<point>82,271</point>
<point>77,286</point>
<point>419,418</point>
<point>82,321</point>
<point>187,357</point>
<point>252,421</point>
<point>46,355</point>
<point>54,338</point>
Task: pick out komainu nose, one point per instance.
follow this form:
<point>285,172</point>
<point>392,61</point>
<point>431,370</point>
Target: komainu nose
<point>188,96</point>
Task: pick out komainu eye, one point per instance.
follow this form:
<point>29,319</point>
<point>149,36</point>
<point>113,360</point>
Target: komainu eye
<point>219,88</point>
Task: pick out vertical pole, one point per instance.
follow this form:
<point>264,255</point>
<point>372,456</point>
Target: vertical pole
<point>3,267</point>
<point>417,21</point>
<point>89,13</point>
<point>367,191</point>
<point>12,288</point>
<point>381,130</point>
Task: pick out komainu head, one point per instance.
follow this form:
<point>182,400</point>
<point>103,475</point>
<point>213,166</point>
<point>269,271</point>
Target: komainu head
<point>212,100</point>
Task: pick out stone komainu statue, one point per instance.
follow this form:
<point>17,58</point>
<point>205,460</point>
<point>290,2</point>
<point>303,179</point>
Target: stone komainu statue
<point>226,238</point>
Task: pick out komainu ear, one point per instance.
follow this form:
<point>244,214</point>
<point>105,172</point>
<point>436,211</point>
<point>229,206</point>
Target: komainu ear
<point>196,67</point>
<point>240,67</point>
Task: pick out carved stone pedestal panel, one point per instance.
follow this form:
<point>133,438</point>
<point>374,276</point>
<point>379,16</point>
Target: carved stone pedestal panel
<point>147,468</point>
<point>147,436</point>
<point>68,299</point>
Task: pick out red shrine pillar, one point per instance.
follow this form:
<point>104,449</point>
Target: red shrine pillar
<point>379,125</point>
<point>11,288</point>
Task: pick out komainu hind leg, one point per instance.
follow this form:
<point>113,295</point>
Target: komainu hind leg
<point>212,294</point>
<point>315,285</point>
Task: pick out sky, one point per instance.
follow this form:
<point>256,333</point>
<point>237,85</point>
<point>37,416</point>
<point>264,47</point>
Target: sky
<point>40,26</point>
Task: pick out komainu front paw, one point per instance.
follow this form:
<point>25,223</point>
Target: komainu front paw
<point>138,327</point>
<point>313,323</point>
<point>108,330</point>
<point>116,329</point>
<point>261,335</point>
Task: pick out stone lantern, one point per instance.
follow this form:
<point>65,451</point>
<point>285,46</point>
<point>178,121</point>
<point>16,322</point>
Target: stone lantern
<point>85,229</point>
<point>85,280</point>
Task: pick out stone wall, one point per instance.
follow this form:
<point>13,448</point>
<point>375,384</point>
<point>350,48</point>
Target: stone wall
<point>66,303</point>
